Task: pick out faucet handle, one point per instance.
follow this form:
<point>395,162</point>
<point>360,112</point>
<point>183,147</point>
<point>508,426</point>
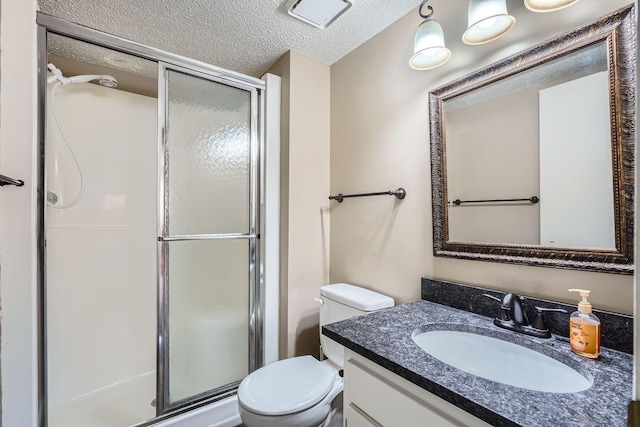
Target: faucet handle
<point>492,297</point>
<point>504,311</point>
<point>539,323</point>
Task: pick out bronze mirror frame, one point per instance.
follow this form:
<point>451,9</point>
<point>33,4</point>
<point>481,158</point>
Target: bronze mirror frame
<point>617,31</point>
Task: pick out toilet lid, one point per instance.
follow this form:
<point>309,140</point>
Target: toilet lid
<point>286,387</point>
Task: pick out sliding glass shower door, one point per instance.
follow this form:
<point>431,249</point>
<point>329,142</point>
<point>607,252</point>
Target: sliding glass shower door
<point>208,220</point>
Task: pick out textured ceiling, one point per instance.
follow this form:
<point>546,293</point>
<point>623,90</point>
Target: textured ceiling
<point>246,36</point>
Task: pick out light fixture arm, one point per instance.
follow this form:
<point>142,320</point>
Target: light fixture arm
<point>427,16</point>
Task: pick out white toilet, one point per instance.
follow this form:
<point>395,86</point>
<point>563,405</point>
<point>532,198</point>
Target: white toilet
<point>299,392</point>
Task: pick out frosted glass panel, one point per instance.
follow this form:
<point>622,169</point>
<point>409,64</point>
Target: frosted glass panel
<point>208,315</point>
<point>208,141</point>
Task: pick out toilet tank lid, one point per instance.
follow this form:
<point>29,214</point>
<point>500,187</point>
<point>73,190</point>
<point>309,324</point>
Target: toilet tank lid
<point>356,297</point>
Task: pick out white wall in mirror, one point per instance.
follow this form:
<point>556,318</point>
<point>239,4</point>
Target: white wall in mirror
<point>576,207</point>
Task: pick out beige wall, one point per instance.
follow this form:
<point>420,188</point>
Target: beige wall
<point>380,141</point>
<point>494,158</point>
<point>304,203</point>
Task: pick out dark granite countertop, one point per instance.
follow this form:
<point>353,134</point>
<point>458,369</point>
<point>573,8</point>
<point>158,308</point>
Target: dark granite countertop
<point>384,337</point>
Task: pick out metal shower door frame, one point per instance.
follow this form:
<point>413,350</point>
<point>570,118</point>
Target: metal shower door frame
<point>48,24</point>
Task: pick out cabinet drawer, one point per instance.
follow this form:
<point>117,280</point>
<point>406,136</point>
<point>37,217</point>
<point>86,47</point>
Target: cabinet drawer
<point>386,403</point>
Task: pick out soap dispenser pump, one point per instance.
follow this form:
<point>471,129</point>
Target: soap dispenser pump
<point>584,333</point>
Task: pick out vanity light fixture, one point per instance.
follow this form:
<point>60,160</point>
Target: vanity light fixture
<point>488,20</point>
<point>429,50</point>
<point>547,5</point>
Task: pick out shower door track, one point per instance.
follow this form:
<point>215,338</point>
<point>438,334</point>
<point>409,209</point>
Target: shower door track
<point>48,24</point>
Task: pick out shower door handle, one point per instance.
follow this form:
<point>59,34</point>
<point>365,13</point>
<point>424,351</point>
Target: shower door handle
<point>227,236</point>
<point>5,180</point>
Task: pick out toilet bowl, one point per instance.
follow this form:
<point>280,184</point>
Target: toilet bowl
<point>292,392</point>
<point>301,391</point>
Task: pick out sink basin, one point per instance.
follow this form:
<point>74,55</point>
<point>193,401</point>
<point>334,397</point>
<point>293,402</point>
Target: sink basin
<point>501,361</point>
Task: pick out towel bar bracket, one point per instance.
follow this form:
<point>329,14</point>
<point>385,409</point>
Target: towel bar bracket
<point>5,180</point>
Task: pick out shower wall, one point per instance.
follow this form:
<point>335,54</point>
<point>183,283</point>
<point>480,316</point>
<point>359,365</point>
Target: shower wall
<point>101,253</point>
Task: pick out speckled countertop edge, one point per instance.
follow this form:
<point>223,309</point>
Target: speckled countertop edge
<point>384,337</point>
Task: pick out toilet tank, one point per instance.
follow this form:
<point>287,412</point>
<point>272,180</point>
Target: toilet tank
<point>342,301</point>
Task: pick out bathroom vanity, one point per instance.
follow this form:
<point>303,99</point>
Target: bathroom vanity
<point>391,381</point>
<point>370,392</point>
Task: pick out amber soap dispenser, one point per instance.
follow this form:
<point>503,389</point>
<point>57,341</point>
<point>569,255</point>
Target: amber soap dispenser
<point>584,332</point>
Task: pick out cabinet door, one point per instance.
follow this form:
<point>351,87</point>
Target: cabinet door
<point>388,404</point>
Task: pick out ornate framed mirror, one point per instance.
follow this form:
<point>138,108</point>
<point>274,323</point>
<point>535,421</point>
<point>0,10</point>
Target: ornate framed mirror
<point>532,157</point>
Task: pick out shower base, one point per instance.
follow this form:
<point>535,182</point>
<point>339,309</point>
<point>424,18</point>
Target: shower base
<point>130,402</point>
<point>122,404</point>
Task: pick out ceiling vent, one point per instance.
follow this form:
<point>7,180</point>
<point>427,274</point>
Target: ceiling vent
<point>319,13</point>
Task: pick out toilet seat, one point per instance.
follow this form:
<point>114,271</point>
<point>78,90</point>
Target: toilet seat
<point>286,387</point>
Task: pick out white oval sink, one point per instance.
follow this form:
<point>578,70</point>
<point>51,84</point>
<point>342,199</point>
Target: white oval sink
<point>501,361</point>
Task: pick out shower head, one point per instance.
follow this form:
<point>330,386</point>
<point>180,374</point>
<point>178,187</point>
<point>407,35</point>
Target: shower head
<point>107,81</point>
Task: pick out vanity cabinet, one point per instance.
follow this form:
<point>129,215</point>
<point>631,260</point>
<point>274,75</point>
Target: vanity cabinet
<point>374,397</point>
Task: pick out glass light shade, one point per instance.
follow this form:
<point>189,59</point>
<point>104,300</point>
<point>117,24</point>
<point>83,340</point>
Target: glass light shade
<point>428,47</point>
<point>488,20</point>
<point>547,5</point>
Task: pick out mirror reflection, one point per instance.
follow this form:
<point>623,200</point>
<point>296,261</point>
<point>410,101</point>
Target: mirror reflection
<point>529,157</point>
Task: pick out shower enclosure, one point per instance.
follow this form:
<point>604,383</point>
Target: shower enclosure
<point>152,290</point>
